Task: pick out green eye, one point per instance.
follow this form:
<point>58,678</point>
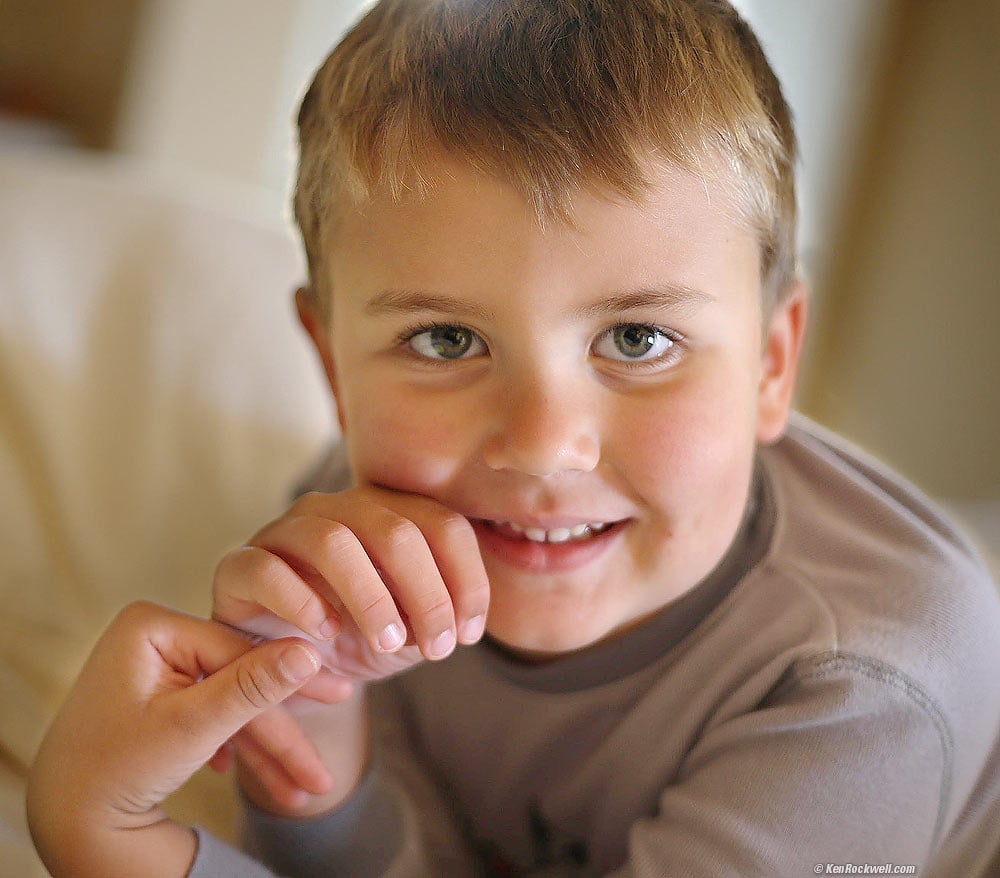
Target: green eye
<point>447,342</point>
<point>634,341</point>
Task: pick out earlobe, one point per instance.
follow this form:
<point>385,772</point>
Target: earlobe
<point>317,330</point>
<point>780,365</point>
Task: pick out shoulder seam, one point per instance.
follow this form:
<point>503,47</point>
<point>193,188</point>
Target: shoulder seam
<point>827,663</point>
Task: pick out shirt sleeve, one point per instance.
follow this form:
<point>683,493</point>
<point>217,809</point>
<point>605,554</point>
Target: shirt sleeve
<point>216,859</point>
<point>397,824</point>
<point>847,762</point>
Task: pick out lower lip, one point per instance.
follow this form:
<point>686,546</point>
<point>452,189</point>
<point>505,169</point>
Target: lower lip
<point>546,557</point>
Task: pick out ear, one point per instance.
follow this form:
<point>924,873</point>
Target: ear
<point>315,326</point>
<point>780,364</point>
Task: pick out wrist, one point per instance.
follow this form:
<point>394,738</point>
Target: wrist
<point>83,848</point>
<point>83,835</point>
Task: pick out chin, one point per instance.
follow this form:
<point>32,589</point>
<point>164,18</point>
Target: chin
<point>546,628</point>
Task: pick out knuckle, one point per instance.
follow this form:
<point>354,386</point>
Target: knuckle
<point>262,569</point>
<point>239,564</point>
<point>134,622</point>
<point>287,596</point>
<point>477,592</point>
<point>308,503</point>
<point>401,535</point>
<point>224,571</point>
<point>455,528</point>
<point>136,613</point>
<point>377,606</point>
<point>435,606</point>
<point>255,686</point>
<point>304,604</point>
<point>330,538</point>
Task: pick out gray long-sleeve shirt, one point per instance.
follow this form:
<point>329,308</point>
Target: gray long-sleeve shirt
<point>829,695</point>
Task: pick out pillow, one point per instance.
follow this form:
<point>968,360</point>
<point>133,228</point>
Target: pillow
<point>157,401</point>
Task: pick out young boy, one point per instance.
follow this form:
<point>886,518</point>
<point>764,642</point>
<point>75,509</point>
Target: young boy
<point>552,284</point>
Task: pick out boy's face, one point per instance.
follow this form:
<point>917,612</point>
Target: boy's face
<point>601,388</point>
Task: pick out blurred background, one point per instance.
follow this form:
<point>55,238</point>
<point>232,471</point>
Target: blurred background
<point>896,105</point>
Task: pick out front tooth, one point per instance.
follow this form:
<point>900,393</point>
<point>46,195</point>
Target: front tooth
<point>559,535</point>
<point>581,530</point>
<point>597,526</point>
<point>535,534</point>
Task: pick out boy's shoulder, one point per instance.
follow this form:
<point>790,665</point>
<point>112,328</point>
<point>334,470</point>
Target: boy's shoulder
<point>834,502</point>
<point>890,574</point>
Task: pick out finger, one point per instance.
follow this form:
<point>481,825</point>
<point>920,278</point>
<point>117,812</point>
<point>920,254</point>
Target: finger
<point>456,556</point>
<point>218,706</point>
<point>258,769</point>
<point>196,647</point>
<point>222,761</point>
<point>254,577</point>
<point>406,563</point>
<point>333,550</point>
<point>279,735</point>
<point>456,553</point>
<point>405,568</point>
<point>327,688</point>
<point>244,683</point>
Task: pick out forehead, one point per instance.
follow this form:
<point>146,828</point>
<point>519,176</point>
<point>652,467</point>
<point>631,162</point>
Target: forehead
<point>466,222</point>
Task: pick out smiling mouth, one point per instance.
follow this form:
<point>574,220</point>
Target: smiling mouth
<point>577,534</point>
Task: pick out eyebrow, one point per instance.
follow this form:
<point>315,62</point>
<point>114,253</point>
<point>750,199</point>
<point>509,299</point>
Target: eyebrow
<point>408,301</point>
<point>673,297</point>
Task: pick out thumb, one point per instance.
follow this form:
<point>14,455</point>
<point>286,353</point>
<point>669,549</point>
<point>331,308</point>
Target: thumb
<point>252,684</point>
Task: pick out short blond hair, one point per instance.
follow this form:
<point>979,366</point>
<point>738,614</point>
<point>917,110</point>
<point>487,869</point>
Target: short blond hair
<point>550,95</point>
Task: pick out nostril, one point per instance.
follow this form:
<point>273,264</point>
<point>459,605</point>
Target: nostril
<point>542,423</point>
<point>541,456</point>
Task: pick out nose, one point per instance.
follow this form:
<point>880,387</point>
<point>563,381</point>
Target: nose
<point>543,427</point>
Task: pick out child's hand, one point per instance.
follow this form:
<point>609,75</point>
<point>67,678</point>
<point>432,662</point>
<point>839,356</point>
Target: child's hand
<point>159,695</point>
<point>377,580</point>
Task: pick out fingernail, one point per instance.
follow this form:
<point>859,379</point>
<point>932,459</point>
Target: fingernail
<point>442,645</point>
<point>298,663</point>
<point>327,630</point>
<point>472,629</point>
<point>391,637</point>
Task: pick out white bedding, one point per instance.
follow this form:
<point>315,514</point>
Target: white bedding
<point>156,401</point>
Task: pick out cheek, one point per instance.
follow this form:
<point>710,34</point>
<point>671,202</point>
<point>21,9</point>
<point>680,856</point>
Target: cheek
<point>403,437</point>
<point>696,452</point>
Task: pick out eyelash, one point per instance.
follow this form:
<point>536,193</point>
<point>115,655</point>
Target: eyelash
<point>407,335</point>
<point>676,344</point>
